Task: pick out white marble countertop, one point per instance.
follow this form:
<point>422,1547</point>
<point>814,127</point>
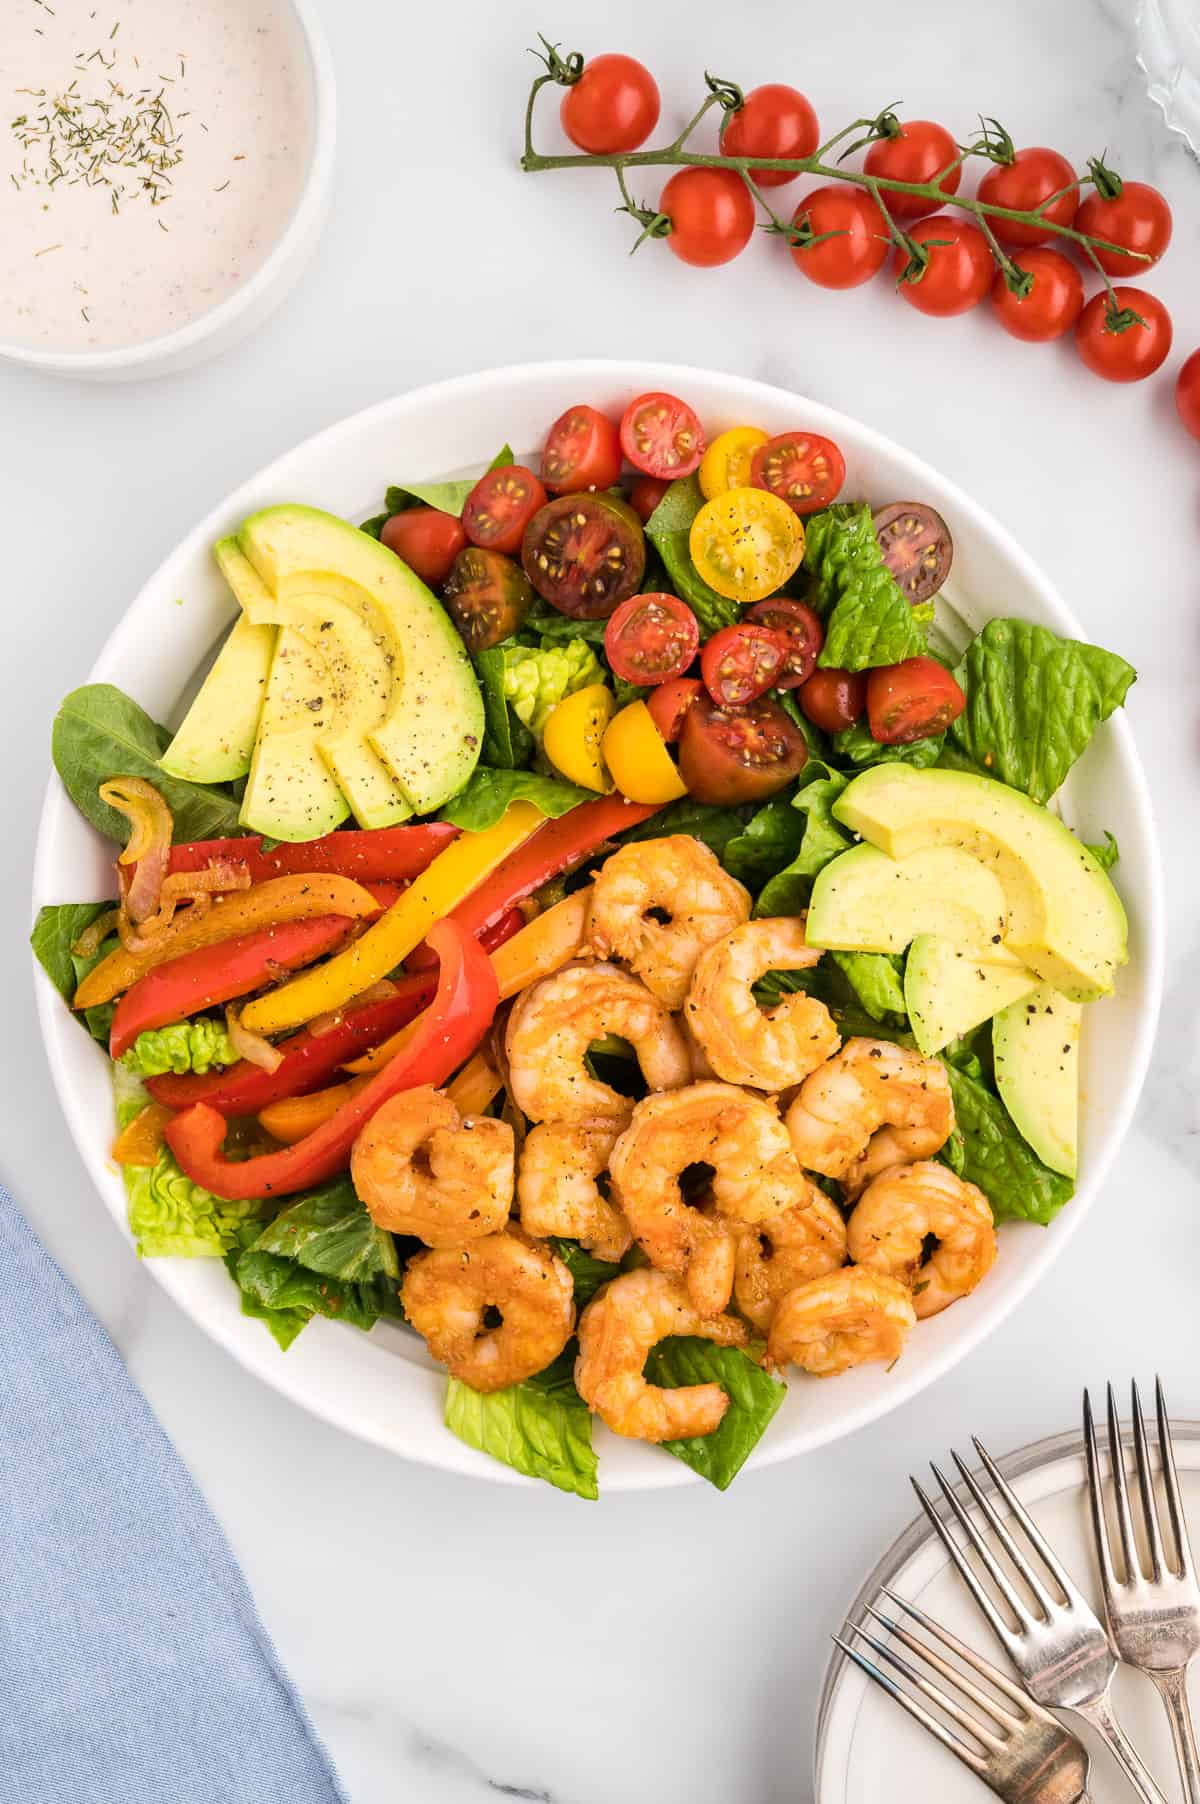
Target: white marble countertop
<point>455,1640</point>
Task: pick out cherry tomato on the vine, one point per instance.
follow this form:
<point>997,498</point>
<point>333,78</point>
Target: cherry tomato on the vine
<point>1031,178</point>
<point>427,540</point>
<point>802,468</point>
<point>850,234</point>
<point>1138,217</point>
<point>651,638</point>
<point>711,214</point>
<point>662,436</point>
<point>582,451</point>
<point>742,662</point>
<point>1132,352</point>
<point>613,106</point>
<point>958,273</point>
<point>772,121</point>
<point>669,703</point>
<point>646,494</point>
<point>801,631</point>
<point>1052,305</point>
<point>500,507</point>
<point>732,755</point>
<point>916,153</point>
<point>1187,395</point>
<point>833,699</point>
<point>912,700</point>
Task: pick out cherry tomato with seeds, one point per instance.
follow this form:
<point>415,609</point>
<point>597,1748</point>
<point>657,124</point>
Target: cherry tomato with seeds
<point>913,700</point>
<point>833,698</point>
<point>500,507</point>
<point>732,755</point>
<point>801,631</point>
<point>916,153</point>
<point>772,121</point>
<point>582,451</point>
<point>726,463</point>
<point>852,237</point>
<point>802,468</point>
<point>651,638</point>
<point>646,494</point>
<point>662,436</point>
<point>1031,178</point>
<point>746,543</point>
<point>958,273</point>
<point>584,554</point>
<point>1130,354</point>
<point>711,213</point>
<point>613,106</point>
<point>742,662</point>
<point>1187,395</point>
<point>427,540</point>
<point>916,545</point>
<point>487,596</point>
<point>1052,305</point>
<point>669,703</point>
<point>1138,217</point>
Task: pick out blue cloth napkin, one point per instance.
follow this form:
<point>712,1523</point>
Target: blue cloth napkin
<point>133,1666</point>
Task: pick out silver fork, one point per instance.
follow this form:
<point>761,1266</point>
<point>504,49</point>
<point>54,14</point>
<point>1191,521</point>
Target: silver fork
<point>1023,1753</point>
<point>1154,1621</point>
<point>1059,1647</point>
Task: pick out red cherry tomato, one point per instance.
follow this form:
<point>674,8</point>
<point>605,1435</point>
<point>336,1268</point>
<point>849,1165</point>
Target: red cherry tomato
<point>732,755</point>
<point>662,436</point>
<point>801,631</point>
<point>1052,305</point>
<point>711,214</point>
<point>428,541</point>
<point>913,700</point>
<point>500,507</point>
<point>669,703</point>
<point>959,271</point>
<point>742,662</point>
<point>1129,355</point>
<point>1138,217</point>
<point>833,699</point>
<point>772,121</point>
<point>802,468</point>
<point>646,494</point>
<point>852,234</point>
<point>1187,395</point>
<point>582,451</point>
<point>1031,178</point>
<point>651,638</point>
<point>613,106</point>
<point>916,153</point>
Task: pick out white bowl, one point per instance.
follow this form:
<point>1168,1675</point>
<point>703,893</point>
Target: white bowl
<point>382,1386</point>
<point>249,305</point>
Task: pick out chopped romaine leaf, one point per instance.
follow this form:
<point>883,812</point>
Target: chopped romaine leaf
<point>542,1428</point>
<point>868,620</point>
<point>483,799</point>
<point>754,1398</point>
<point>183,1046</point>
<point>987,1150</point>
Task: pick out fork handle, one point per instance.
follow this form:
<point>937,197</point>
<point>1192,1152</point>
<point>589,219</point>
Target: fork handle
<point>1099,1713</point>
<point>1172,1688</point>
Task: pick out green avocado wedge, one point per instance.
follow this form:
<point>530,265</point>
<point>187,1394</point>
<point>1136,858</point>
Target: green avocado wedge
<point>865,901</point>
<point>950,989</point>
<point>215,741</point>
<point>1035,1044</point>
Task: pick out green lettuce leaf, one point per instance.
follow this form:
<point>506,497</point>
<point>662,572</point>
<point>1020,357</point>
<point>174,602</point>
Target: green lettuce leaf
<point>448,497</point>
<point>482,800</point>
<point>283,1324</point>
<point>767,843</point>
<point>754,1398</point>
<point>54,933</point>
<point>283,1287</point>
<point>587,1272</point>
<point>542,1427</point>
<point>1107,854</point>
<point>543,626</point>
<point>535,680</point>
<point>877,979</point>
<point>667,529</point>
<point>374,526</point>
<point>987,1150</point>
<point>868,621</point>
<point>787,893</point>
<point>829,984</point>
<point>703,820</point>
<point>168,1215</point>
<point>507,745</point>
<point>330,1232</point>
<point>854,745</point>
<point>184,1046</point>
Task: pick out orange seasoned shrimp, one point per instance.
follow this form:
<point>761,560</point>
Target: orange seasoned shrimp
<point>806,1241</point>
<point>555,1021</point>
<point>617,1330</point>
<point>558,1186</point>
<point>657,904</point>
<point>767,1048</point>
<point>869,1084</point>
<point>447,1293</point>
<point>910,1204</point>
<point>847,1319</point>
<point>422,1168</point>
<point>890,1146</point>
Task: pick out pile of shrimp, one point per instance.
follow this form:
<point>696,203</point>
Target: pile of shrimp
<point>710,1195</point>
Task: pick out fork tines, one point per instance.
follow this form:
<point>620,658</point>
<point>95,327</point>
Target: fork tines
<point>1131,1562</point>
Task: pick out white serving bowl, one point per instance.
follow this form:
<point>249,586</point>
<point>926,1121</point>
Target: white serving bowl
<point>382,1386</point>
<point>248,306</point>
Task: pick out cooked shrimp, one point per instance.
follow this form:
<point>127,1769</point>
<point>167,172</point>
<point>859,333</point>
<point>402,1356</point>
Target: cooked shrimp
<point>558,1186</point>
<point>555,1021</point>
<point>755,1178</point>
<point>657,904</point>
<point>616,1332</point>
<point>806,1241</point>
<point>867,1085</point>
<point>890,1146</point>
<point>422,1168</point>
<point>446,1294</point>
<point>847,1319</point>
<point>907,1206</point>
<point>745,1044</point>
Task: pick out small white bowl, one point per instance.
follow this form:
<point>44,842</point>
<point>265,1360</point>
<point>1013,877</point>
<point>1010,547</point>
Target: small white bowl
<point>248,306</point>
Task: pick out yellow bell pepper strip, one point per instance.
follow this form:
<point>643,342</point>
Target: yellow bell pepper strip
<point>473,1088</point>
<point>573,732</point>
<point>141,1140</point>
<point>301,898</point>
<point>640,764</point>
<point>429,898</point>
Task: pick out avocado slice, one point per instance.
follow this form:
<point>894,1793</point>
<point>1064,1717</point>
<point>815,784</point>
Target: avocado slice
<point>864,901</point>
<point>1065,919</point>
<point>1036,1048</point>
<point>216,739</point>
<point>428,727</point>
<point>950,989</point>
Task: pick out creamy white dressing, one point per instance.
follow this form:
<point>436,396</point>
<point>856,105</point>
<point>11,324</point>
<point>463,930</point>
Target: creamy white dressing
<point>113,233</point>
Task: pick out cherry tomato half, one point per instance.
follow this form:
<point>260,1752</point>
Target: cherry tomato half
<point>613,106</point>
<point>746,543</point>
<point>1131,354</point>
<point>428,541</point>
<point>1187,395</point>
<point>1031,178</point>
<point>651,638</point>
<point>646,494</point>
<point>1138,218</point>
<point>958,273</point>
<point>1052,305</point>
<point>742,662</point>
<point>662,436</point>
<point>732,755</point>
<point>500,507</point>
<point>669,703</point>
<point>773,121</point>
<point>916,546</point>
<point>802,468</point>
<point>916,153</point>
<point>800,630</point>
<point>726,463</point>
<point>833,699</point>
<point>711,213</point>
<point>487,597</point>
<point>584,554</point>
<point>912,700</point>
<point>582,451</point>
<point>851,236</point>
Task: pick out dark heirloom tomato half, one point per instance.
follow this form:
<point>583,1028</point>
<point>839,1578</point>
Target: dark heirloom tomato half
<point>801,631</point>
<point>731,755</point>
<point>584,554</point>
<point>427,540</point>
<point>650,638</point>
<point>802,468</point>
<point>833,698</point>
<point>500,507</point>
<point>916,546</point>
<point>912,700</point>
<point>669,703</point>
<point>582,451</point>
<point>742,662</point>
<point>487,597</point>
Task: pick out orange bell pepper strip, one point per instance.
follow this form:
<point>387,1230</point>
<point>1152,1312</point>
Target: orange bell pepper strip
<point>472,1089</point>
<point>293,1117</point>
<point>141,1140</point>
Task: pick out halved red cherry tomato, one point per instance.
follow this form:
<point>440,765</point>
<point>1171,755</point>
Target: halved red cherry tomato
<point>651,638</point>
<point>1130,354</point>
<point>500,507</point>
<point>731,755</point>
<point>662,436</point>
<point>958,273</point>
<point>427,540</point>
<point>1031,178</point>
<point>912,700</point>
<point>802,468</point>
<point>772,121</point>
<point>1138,217</point>
<point>646,494</point>
<point>742,662</point>
<point>582,451</point>
<point>1053,303</point>
<point>613,106</point>
<point>487,596</point>
<point>918,152</point>
<point>849,239</point>
<point>585,553</point>
<point>1187,395</point>
<point>711,214</point>
<point>801,631</point>
<point>833,698</point>
<point>669,703</point>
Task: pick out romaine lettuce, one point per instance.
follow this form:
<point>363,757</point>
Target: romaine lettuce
<point>483,799</point>
<point>788,891</point>
<point>868,620</point>
<point>54,933</point>
<point>987,1150</point>
<point>542,1427</point>
<point>183,1046</point>
<point>754,1397</point>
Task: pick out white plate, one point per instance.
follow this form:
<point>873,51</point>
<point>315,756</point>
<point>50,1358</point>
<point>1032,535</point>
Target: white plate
<point>381,1386</point>
<point>868,1748</point>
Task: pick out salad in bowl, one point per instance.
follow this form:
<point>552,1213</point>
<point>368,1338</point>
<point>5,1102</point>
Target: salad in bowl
<point>607,916</point>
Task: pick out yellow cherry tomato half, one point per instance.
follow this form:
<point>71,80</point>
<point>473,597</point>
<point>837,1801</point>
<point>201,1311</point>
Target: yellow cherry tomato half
<point>638,760</point>
<point>726,463</point>
<point>574,732</point>
<point>746,543</point>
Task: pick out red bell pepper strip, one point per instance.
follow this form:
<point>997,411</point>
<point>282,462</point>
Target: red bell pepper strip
<point>213,974</point>
<point>309,1059</point>
<point>462,1010</point>
<point>423,958</point>
<point>395,854</point>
